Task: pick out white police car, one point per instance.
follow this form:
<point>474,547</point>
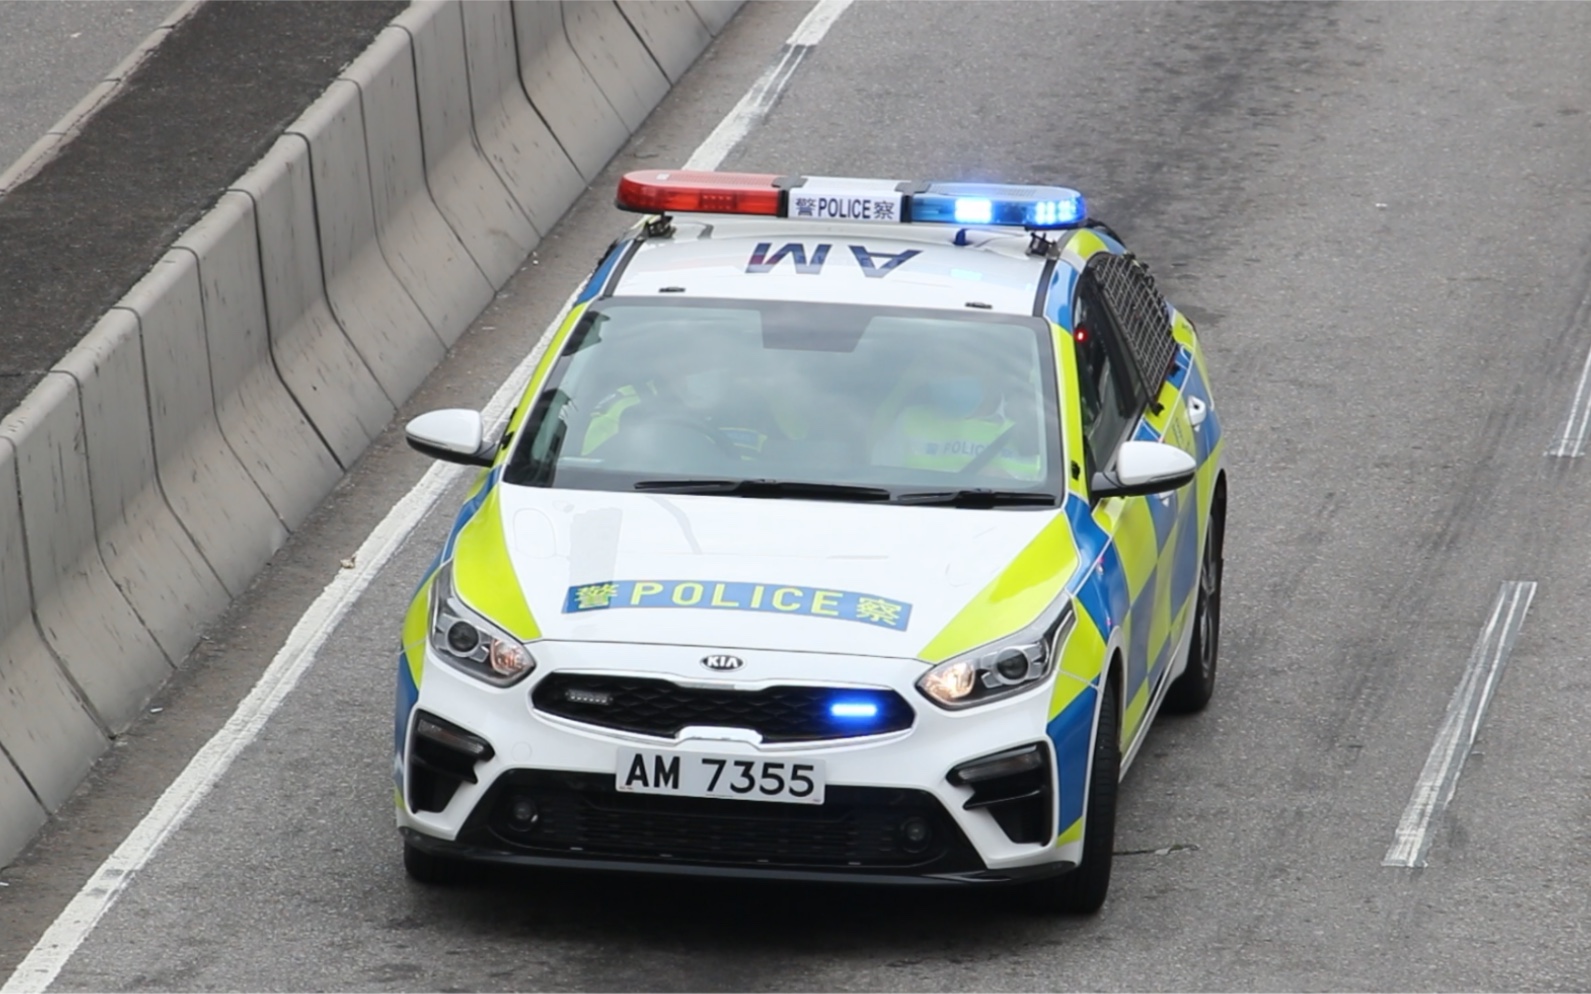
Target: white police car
<point>849,530</point>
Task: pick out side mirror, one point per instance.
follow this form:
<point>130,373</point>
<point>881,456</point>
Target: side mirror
<point>452,436</point>
<point>1144,468</point>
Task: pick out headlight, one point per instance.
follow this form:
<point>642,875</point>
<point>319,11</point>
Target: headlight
<point>469,642</point>
<point>1004,667</point>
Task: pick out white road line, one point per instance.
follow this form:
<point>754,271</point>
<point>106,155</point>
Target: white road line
<point>1457,735</point>
<point>764,93</point>
<point>1571,437</point>
<point>55,948</point>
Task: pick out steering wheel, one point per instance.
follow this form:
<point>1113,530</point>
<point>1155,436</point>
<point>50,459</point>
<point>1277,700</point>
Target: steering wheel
<point>700,427</point>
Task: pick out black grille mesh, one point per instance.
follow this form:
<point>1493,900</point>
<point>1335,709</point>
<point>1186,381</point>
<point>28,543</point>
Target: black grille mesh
<point>856,828</point>
<point>1146,322</point>
<point>660,707</point>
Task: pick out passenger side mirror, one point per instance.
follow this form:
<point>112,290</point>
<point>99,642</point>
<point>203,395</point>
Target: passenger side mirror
<point>1144,468</point>
<point>452,436</point>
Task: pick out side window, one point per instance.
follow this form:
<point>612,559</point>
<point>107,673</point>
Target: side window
<point>1109,406</point>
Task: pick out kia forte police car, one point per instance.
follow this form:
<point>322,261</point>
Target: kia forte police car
<point>849,530</point>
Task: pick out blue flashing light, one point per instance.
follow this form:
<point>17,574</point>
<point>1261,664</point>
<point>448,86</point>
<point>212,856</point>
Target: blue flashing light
<point>974,210</point>
<point>1031,207</point>
<point>853,709</point>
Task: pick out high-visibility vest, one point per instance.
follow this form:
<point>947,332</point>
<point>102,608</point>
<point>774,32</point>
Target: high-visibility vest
<point>923,438</point>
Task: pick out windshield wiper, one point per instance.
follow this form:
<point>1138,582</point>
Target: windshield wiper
<point>978,498</point>
<point>765,488</point>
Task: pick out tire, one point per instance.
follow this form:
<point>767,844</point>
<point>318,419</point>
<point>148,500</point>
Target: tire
<point>1083,890</point>
<point>428,868</point>
<point>1192,690</point>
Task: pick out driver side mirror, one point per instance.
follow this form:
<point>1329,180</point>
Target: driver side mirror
<point>1144,468</point>
<point>452,436</point>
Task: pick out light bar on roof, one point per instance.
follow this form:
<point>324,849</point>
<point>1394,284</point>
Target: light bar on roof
<point>838,198</point>
<point>662,191</point>
<point>1032,207</point>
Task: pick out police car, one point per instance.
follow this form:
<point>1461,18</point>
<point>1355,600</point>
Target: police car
<point>849,530</point>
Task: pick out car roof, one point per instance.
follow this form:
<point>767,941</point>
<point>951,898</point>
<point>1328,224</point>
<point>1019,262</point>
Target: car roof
<point>774,259</point>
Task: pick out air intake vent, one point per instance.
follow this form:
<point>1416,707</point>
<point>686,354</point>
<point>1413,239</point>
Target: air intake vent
<point>779,714</point>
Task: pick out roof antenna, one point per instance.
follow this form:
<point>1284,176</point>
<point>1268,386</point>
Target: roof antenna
<point>961,238</point>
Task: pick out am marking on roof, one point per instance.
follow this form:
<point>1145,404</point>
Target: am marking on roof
<point>844,263</point>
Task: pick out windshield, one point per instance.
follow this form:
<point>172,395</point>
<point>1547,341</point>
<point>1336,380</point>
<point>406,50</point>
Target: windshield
<point>797,399</point>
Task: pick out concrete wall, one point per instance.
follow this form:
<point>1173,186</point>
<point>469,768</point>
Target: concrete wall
<point>159,466</point>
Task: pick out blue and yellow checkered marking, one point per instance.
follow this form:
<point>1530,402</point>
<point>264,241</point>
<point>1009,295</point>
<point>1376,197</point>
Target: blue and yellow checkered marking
<point>816,602</point>
<point>1071,731</point>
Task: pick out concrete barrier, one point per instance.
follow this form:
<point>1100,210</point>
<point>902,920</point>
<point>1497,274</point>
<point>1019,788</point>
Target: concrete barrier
<point>616,59</point>
<point>670,30</point>
<point>21,814</point>
<point>467,190</point>
<point>47,739</point>
<point>563,93</point>
<point>150,556</point>
<point>98,637</point>
<point>321,368</point>
<point>270,434</point>
<point>374,309</point>
<point>149,476</point>
<point>423,252</point>
<point>534,168</point>
<point>715,14</point>
<point>212,494</point>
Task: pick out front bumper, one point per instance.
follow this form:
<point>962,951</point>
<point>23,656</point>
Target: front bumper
<point>502,857</point>
<point>876,782</point>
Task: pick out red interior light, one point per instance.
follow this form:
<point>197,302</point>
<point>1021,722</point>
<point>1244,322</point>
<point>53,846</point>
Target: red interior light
<point>676,191</point>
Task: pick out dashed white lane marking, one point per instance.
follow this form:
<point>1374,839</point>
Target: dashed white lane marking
<point>765,92</point>
<point>55,948</point>
<point>1571,439</point>
<point>1457,735</point>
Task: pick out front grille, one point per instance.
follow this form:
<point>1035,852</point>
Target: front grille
<point>662,708</point>
<point>581,815</point>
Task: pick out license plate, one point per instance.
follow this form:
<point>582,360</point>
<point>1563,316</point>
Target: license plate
<point>692,774</point>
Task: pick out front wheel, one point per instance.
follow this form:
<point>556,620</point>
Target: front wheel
<point>1193,689</point>
<point>1083,890</point>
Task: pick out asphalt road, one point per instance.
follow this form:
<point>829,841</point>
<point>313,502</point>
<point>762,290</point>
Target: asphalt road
<point>52,54</point>
<point>1380,217</point>
<point>202,108</point>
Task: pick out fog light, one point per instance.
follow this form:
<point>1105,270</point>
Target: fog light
<point>915,834</point>
<point>522,812</point>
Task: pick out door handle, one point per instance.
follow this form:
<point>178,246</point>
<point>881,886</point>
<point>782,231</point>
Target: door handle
<point>1198,410</point>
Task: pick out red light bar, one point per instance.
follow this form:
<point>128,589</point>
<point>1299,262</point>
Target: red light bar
<point>677,191</point>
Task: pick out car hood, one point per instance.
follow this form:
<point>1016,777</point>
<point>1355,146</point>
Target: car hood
<point>740,573</point>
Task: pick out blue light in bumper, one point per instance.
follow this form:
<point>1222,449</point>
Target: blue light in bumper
<point>853,709</point>
<point>1037,207</point>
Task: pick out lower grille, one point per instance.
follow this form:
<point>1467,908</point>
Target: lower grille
<point>581,815</point>
<point>661,707</point>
